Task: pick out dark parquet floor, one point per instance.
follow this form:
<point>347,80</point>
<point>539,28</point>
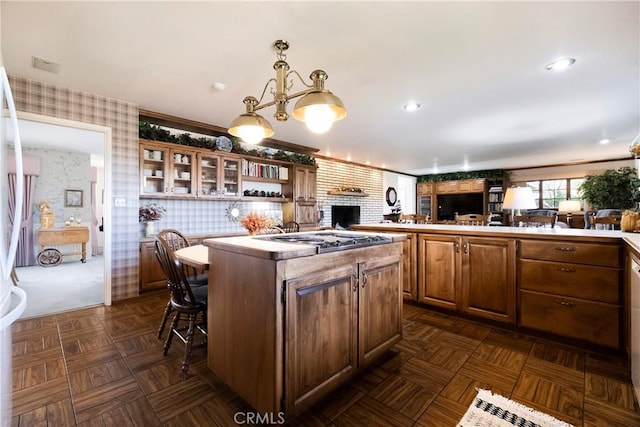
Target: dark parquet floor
<point>103,366</point>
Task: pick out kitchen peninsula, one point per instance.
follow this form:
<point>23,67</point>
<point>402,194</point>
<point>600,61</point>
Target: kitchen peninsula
<point>566,284</point>
<point>291,319</point>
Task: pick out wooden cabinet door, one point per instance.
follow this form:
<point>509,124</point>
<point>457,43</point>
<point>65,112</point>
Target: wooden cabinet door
<point>448,187</point>
<point>154,169</point>
<point>305,183</point>
<point>380,324</point>
<point>489,278</point>
<point>182,172</point>
<point>409,270</point>
<point>424,189</point>
<point>208,175</point>
<point>320,334</point>
<point>306,215</point>
<point>439,270</point>
<point>150,272</point>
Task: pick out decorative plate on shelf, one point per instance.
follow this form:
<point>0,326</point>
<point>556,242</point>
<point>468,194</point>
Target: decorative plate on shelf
<point>223,144</point>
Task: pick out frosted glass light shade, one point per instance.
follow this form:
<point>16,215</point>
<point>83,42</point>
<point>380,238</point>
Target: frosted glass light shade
<point>319,109</point>
<point>569,206</point>
<point>519,198</point>
<point>251,128</point>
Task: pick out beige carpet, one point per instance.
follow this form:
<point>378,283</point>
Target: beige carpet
<point>68,286</point>
<point>493,410</point>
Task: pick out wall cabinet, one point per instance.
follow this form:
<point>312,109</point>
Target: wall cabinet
<point>461,186</point>
<point>571,289</point>
<point>475,275</point>
<point>424,188</point>
<point>351,327</point>
<point>303,188</point>
<point>172,170</point>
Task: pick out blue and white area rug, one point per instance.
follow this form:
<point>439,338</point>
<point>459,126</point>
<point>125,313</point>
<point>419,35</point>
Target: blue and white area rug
<point>493,410</point>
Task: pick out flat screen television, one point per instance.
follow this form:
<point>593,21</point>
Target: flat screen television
<point>450,204</point>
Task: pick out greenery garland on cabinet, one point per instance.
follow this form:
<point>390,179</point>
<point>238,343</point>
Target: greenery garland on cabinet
<point>454,176</point>
<point>156,133</point>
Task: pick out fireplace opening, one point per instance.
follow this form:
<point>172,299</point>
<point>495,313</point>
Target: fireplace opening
<point>344,216</point>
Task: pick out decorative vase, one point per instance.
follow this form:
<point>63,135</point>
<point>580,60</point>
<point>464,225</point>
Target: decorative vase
<point>149,229</point>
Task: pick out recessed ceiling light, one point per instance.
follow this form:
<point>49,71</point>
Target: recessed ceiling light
<point>328,153</point>
<point>219,86</point>
<point>383,165</point>
<point>368,162</point>
<point>605,141</point>
<point>411,106</point>
<point>348,158</point>
<point>560,64</point>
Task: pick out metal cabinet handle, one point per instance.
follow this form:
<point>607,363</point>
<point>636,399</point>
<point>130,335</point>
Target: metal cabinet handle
<point>565,303</point>
<point>565,249</point>
<point>355,282</point>
<point>566,269</point>
<point>457,246</point>
<point>364,279</point>
<point>465,247</point>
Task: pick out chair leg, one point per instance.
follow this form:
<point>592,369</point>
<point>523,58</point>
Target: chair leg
<point>163,323</point>
<point>187,345</point>
<point>174,325</point>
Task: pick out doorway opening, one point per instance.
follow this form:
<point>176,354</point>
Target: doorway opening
<point>71,284</point>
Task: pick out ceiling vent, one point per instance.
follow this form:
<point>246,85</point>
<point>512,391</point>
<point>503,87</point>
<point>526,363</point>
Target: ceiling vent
<point>45,65</point>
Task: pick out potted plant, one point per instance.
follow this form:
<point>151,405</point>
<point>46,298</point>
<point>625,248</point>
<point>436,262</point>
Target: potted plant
<point>148,214</point>
<point>614,189</point>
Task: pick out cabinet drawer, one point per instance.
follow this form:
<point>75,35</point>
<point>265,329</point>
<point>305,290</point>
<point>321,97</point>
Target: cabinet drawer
<point>575,280</point>
<point>579,253</point>
<point>592,321</point>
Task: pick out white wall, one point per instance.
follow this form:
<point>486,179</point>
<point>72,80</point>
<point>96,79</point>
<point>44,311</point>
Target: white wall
<point>405,187</point>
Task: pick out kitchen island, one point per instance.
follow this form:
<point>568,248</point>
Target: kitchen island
<point>566,284</point>
<point>288,323</point>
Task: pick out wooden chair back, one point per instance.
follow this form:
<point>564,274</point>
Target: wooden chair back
<point>413,218</point>
<point>182,297</point>
<point>271,230</point>
<point>472,219</point>
<point>535,220</point>
<point>291,227</point>
<point>176,240</point>
<point>611,222</point>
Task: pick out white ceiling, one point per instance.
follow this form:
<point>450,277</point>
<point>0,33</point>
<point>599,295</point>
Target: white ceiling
<point>477,68</point>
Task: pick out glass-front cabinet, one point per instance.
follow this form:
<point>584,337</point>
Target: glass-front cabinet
<point>166,171</point>
<point>153,167</point>
<point>230,177</point>
<point>172,170</point>
<point>209,171</point>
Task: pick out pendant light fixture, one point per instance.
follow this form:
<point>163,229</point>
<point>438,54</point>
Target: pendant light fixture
<point>317,107</point>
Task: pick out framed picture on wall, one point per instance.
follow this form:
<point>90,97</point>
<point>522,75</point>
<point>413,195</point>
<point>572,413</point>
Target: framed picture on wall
<point>72,198</point>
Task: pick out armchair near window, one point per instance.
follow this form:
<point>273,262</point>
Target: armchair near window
<point>589,219</point>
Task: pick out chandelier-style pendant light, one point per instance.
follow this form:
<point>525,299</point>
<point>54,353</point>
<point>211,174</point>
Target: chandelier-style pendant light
<point>318,107</point>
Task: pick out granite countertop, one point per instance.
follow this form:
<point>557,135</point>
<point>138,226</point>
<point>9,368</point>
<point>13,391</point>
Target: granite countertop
<point>256,246</point>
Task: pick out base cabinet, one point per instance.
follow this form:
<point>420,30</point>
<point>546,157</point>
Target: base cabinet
<point>336,317</point>
<point>571,289</point>
<point>150,272</point>
<point>283,333</point>
<point>475,275</point>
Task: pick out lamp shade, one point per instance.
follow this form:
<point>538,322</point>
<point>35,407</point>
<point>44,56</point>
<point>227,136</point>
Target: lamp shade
<point>519,198</point>
<point>319,109</point>
<point>251,128</point>
<point>569,206</point>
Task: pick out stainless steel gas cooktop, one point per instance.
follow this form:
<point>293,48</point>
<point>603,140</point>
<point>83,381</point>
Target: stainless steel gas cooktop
<point>329,242</point>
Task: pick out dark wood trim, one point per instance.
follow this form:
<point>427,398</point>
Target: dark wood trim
<point>188,125</point>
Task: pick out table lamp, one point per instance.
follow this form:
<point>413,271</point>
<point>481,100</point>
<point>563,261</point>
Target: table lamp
<point>569,206</point>
<point>518,198</point>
